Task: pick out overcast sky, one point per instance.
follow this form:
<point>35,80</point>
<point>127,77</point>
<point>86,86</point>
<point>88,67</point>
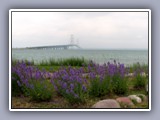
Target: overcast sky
<point>91,30</point>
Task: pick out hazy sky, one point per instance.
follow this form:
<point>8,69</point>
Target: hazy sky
<point>102,30</point>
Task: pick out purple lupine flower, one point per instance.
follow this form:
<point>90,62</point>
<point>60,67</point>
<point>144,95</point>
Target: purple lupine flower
<point>37,75</point>
<point>75,95</point>
<point>72,72</point>
<point>111,69</point>
<point>25,81</point>
<point>64,86</point>
<point>84,88</point>
<point>122,69</point>
<point>92,75</point>
<point>71,78</point>
<point>85,80</point>
<point>81,70</point>
<point>48,75</point>
<point>52,81</point>
<point>101,78</point>
<point>72,86</point>
<point>89,68</point>
<point>79,79</point>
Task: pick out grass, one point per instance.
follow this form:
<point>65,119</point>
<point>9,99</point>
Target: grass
<point>59,62</point>
<point>60,102</point>
<point>14,61</point>
<point>52,68</point>
<point>136,66</point>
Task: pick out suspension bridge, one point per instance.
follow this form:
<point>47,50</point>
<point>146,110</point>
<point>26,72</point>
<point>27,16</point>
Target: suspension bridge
<point>59,47</point>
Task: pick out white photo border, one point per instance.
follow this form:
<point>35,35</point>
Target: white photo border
<point>80,10</point>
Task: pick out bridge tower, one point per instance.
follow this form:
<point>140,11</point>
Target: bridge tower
<point>72,39</point>
<point>77,42</point>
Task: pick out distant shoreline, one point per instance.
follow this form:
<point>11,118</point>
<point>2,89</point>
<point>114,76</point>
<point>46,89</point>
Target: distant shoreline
<point>84,49</point>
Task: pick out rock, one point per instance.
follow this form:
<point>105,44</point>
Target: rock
<point>125,101</point>
<point>136,98</point>
<point>129,75</point>
<point>108,103</point>
<point>143,97</point>
<point>143,74</point>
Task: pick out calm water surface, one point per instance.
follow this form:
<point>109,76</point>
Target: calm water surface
<point>99,56</point>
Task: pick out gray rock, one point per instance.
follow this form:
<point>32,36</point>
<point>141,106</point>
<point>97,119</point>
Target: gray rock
<point>136,98</point>
<point>108,103</point>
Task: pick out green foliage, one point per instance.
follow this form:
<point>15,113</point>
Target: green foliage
<point>119,85</point>
<point>134,101</point>
<point>138,66</point>
<point>78,96</point>
<point>40,90</point>
<point>140,82</point>
<point>99,87</point>
<point>16,90</point>
<point>65,62</point>
<point>52,62</point>
<point>27,62</point>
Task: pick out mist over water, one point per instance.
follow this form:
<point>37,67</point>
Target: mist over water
<point>127,57</point>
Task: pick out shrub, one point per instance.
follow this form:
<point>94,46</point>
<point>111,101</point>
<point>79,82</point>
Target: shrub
<point>140,81</point>
<point>30,81</point>
<point>70,84</point>
<point>40,90</point>
<point>99,87</point>
<point>16,89</point>
<point>118,82</point>
<point>119,85</point>
<point>18,79</point>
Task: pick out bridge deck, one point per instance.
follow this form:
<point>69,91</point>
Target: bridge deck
<point>55,47</point>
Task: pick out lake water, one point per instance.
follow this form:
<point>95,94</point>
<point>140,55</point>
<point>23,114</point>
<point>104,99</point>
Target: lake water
<point>100,56</point>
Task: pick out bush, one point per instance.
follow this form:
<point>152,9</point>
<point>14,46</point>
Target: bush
<point>75,96</point>
<point>40,90</point>
<point>16,89</point>
<point>70,84</point>
<point>99,87</point>
<point>119,85</point>
<point>140,81</point>
<point>30,81</point>
<point>73,92</point>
